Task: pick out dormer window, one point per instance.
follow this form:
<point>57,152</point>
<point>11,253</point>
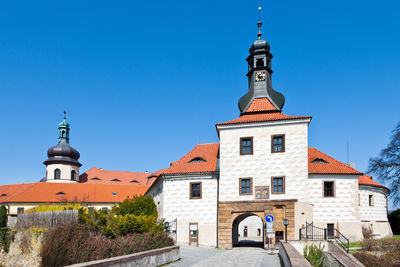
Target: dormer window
<point>319,160</point>
<point>134,181</point>
<point>60,194</point>
<point>197,159</point>
<point>3,195</point>
<point>114,193</point>
<point>115,180</point>
<point>95,179</point>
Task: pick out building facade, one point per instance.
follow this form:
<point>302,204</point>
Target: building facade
<point>263,165</point>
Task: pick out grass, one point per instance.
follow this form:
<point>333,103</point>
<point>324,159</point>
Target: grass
<point>355,244</point>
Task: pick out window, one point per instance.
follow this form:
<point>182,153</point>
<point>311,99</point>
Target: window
<point>114,193</point>
<point>134,181</point>
<point>115,180</point>
<point>278,185</point>
<point>57,174</point>
<point>60,194</point>
<point>20,210</point>
<point>90,209</point>
<point>319,160</point>
<point>329,189</point>
<point>278,143</point>
<point>197,159</point>
<point>73,175</point>
<point>104,208</point>
<point>246,146</point>
<point>195,190</point>
<point>260,62</point>
<point>371,200</point>
<point>245,186</point>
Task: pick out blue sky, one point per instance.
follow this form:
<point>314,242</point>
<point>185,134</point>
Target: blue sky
<point>143,82</point>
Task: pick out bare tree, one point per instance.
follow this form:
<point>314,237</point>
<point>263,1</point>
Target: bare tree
<point>387,166</point>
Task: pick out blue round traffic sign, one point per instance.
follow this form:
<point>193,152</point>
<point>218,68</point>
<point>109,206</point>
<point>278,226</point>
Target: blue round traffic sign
<point>269,218</point>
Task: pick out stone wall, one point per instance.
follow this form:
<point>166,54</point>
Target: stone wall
<point>24,251</point>
<point>291,257</point>
<point>155,257</point>
<point>229,211</point>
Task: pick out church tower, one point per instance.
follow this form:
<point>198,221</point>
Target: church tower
<point>62,165</point>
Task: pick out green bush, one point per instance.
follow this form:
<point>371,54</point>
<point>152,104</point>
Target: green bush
<point>6,237</point>
<point>3,216</point>
<point>116,225</point>
<point>75,243</point>
<point>137,205</point>
<point>313,254</point>
<point>394,220</point>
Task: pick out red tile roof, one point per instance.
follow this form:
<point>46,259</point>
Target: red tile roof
<point>332,166</point>
<point>261,104</point>
<point>367,180</point>
<point>99,176</point>
<point>207,152</point>
<point>261,117</point>
<point>62,192</point>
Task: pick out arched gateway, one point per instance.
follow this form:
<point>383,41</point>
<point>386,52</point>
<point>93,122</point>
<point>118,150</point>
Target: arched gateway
<point>248,230</point>
<point>231,213</point>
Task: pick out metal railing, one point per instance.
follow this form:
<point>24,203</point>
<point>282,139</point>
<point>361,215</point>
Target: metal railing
<point>172,229</point>
<point>311,232</point>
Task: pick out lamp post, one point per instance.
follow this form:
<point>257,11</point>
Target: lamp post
<point>286,223</point>
<point>166,226</point>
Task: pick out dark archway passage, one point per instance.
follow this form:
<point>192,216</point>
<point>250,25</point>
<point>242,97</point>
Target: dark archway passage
<point>248,231</point>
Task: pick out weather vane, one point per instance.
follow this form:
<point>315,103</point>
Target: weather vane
<point>259,21</point>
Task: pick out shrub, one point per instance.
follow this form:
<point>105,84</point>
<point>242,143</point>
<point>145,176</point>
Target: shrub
<point>368,244</point>
<point>313,254</point>
<point>75,243</point>
<point>115,225</point>
<point>55,207</point>
<point>6,237</point>
<point>367,232</point>
<point>137,205</point>
<point>394,220</point>
<point>3,216</point>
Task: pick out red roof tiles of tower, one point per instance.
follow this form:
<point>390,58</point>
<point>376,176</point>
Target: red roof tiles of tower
<point>321,163</point>
<point>261,104</point>
<point>261,117</point>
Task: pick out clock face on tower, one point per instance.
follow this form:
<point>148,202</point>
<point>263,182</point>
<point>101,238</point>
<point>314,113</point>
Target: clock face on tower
<point>260,76</point>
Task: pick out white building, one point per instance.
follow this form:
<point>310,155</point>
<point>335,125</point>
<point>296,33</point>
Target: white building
<point>263,165</point>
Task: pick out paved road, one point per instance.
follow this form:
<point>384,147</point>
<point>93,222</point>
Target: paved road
<point>240,256</point>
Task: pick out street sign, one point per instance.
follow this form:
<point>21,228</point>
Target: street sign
<point>269,218</point>
<point>270,227</point>
<point>271,235</point>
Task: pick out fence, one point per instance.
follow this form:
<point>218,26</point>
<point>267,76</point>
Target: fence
<point>311,232</point>
<point>46,219</point>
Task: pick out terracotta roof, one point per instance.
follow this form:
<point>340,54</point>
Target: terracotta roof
<point>260,117</point>
<point>367,180</point>
<point>62,192</point>
<point>99,176</point>
<point>261,104</point>
<point>332,166</point>
<point>208,152</point>
<point>11,190</point>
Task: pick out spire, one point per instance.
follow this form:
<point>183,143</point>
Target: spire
<point>259,24</point>
<point>63,130</point>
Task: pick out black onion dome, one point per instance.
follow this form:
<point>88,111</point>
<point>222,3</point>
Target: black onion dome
<point>63,153</point>
<point>259,45</point>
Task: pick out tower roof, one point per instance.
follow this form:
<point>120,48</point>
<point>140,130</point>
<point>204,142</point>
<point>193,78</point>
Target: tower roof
<point>63,152</point>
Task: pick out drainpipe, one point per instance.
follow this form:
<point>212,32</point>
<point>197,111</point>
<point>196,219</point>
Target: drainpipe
<point>217,176</point>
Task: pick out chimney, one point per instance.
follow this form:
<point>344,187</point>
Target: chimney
<point>353,165</point>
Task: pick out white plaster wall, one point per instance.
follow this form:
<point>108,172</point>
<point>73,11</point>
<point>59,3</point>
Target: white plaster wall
<point>377,212</point>
<point>178,205</point>
<point>253,223</point>
<point>303,213</point>
<point>342,210</point>
<point>379,229</point>
<point>293,163</point>
<point>65,173</point>
<point>343,206</point>
<point>156,191</point>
